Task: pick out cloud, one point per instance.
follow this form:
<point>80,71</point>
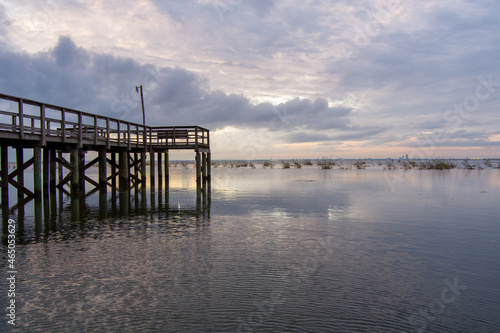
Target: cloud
<point>281,66</point>
<point>71,76</point>
<point>67,54</point>
<point>301,137</point>
<point>5,24</point>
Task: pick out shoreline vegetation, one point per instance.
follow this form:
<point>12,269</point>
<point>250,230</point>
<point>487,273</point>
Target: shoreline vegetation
<point>354,164</point>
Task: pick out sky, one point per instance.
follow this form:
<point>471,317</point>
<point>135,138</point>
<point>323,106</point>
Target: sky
<point>271,78</point>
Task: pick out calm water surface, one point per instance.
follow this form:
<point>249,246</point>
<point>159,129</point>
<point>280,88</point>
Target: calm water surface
<point>283,250</point>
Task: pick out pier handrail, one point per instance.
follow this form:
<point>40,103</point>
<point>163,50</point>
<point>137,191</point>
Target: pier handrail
<point>45,122</point>
<point>179,135</point>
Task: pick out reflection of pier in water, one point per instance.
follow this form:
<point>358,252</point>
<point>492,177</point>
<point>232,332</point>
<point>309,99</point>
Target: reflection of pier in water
<point>59,139</point>
<point>59,210</point>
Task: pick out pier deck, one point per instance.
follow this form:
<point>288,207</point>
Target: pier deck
<point>54,131</point>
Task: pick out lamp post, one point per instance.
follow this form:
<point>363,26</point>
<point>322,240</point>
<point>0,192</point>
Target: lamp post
<point>139,89</point>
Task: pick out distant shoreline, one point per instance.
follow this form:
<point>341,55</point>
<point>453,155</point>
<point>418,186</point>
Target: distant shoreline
<point>347,164</point>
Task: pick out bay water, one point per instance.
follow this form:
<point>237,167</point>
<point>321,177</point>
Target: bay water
<point>277,250</point>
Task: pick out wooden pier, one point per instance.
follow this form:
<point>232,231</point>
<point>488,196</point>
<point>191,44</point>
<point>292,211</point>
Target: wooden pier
<point>59,139</point>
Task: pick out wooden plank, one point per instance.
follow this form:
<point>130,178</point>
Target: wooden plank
<point>62,189</point>
<point>112,162</point>
<point>90,180</point>
<point>92,192</point>
<point>21,188</point>
<point>171,134</point>
<point>22,202</point>
<point>112,175</point>
<point>63,162</point>
<point>66,179</point>
<point>23,167</point>
<point>91,163</point>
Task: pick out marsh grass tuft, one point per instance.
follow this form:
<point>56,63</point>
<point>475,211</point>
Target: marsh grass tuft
<point>325,163</point>
<point>467,165</point>
<point>285,164</point>
<point>390,165</point>
<point>359,164</point>
<point>269,164</point>
<point>438,164</point>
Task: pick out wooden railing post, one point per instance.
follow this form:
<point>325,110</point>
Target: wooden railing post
<point>21,120</point>
<point>150,138</point>
<point>118,132</point>
<point>108,135</point>
<point>196,138</point>
<point>128,135</point>
<point>42,125</point>
<point>80,130</point>
<point>95,130</point>
<point>63,124</point>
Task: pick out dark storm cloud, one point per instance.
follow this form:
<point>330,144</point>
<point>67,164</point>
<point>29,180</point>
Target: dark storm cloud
<point>70,76</point>
<point>183,97</point>
<point>67,54</point>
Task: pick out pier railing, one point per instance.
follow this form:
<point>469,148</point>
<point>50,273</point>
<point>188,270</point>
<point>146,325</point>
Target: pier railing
<point>179,136</point>
<point>24,119</point>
